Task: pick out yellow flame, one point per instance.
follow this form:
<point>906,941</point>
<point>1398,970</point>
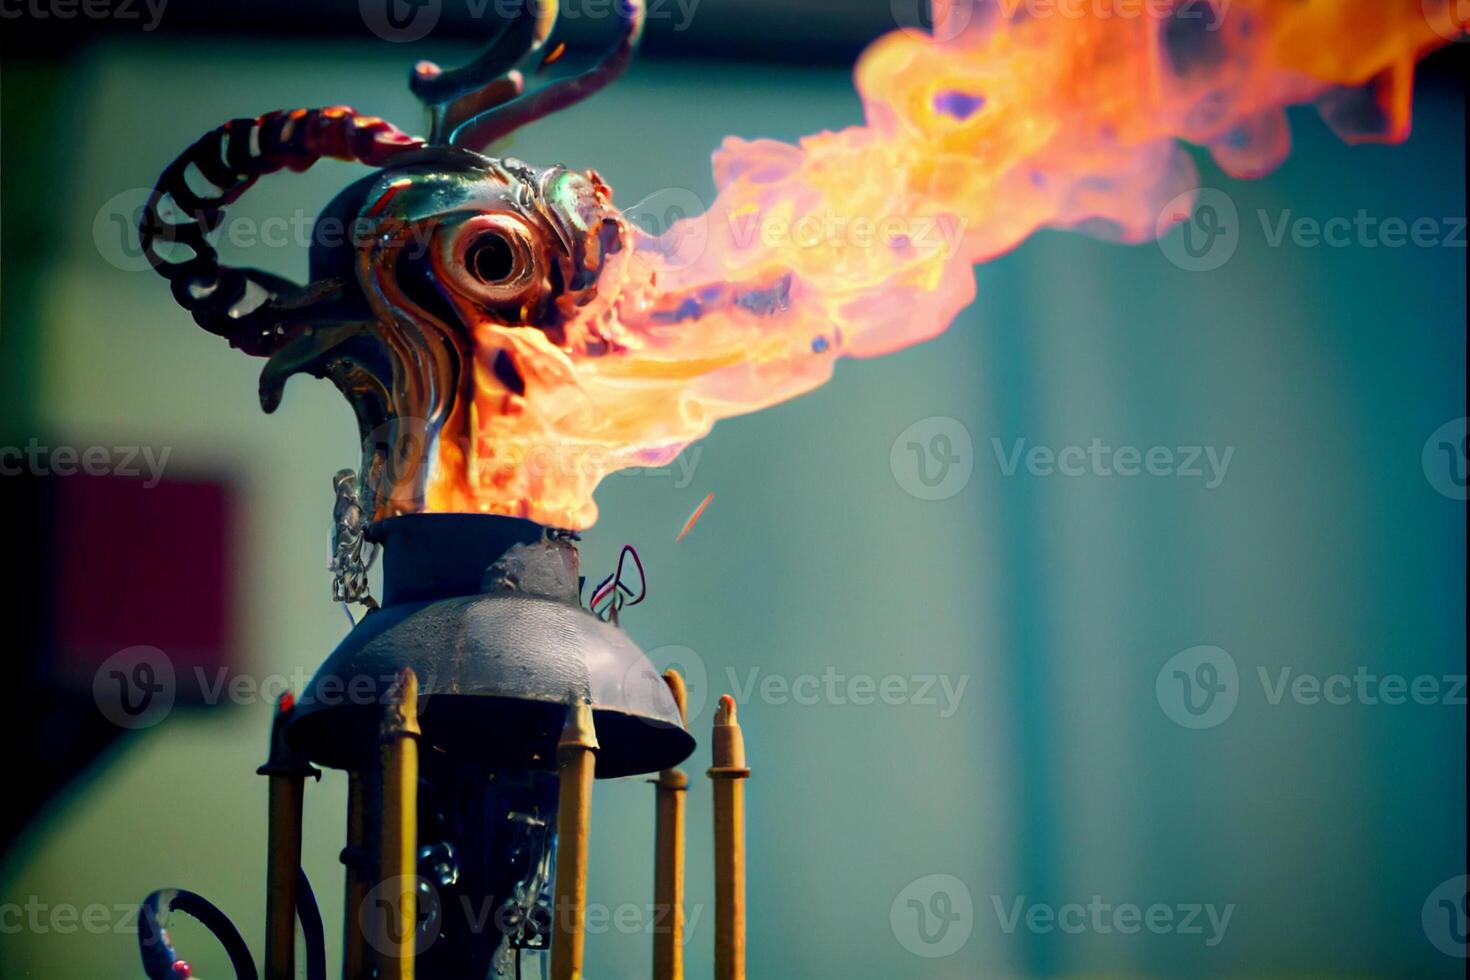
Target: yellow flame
<point>1013,115</point>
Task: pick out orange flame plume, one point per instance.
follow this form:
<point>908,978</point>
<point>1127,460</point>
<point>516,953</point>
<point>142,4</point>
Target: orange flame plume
<point>1011,116</point>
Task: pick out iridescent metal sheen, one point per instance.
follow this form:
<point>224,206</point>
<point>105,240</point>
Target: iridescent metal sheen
<point>481,625</point>
<point>407,263</point>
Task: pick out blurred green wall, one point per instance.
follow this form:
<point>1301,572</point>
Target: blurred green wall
<point>1054,600</point>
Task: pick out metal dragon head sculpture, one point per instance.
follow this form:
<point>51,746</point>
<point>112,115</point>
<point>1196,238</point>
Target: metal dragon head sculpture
<point>450,261</point>
<point>508,338</point>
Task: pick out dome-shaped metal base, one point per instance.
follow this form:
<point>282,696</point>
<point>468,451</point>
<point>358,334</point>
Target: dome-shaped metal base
<point>497,669</point>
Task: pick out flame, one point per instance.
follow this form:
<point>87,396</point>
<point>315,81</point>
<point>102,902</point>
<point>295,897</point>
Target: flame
<point>1011,116</point>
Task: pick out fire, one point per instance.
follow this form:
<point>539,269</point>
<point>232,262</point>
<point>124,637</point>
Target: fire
<point>1014,115</point>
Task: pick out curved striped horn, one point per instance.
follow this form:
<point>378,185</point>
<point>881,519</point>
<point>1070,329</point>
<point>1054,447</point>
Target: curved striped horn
<point>248,306</point>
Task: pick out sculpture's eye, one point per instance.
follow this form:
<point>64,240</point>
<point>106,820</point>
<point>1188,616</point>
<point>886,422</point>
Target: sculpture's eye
<point>491,258</point>
<point>495,260</point>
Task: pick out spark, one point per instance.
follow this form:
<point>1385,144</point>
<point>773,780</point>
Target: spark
<point>698,512</point>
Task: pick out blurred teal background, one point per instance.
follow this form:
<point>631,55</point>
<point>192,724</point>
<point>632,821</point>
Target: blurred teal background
<point>1056,601</point>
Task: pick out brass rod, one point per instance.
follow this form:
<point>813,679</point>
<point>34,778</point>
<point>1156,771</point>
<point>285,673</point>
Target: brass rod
<point>399,735</point>
<point>668,874</point>
<point>287,772</point>
<point>286,793</point>
<point>577,764</point>
<point>728,775</point>
<point>354,857</point>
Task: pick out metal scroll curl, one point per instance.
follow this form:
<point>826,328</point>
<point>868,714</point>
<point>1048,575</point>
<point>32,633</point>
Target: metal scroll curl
<point>162,962</point>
